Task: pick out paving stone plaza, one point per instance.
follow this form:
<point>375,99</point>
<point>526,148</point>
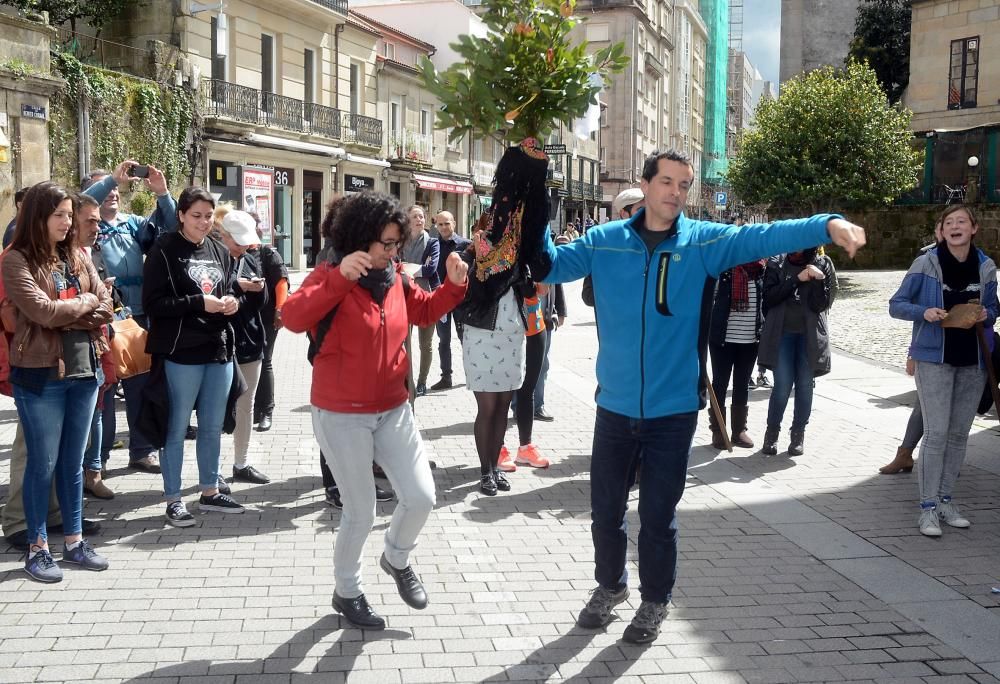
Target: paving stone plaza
<point>791,570</point>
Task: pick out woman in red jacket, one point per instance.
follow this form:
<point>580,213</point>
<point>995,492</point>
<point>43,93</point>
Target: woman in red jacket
<point>358,310</point>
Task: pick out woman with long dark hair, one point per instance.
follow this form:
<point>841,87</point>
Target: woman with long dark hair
<point>734,333</point>
<point>799,289</point>
<point>189,293</point>
<point>358,307</point>
<point>61,305</point>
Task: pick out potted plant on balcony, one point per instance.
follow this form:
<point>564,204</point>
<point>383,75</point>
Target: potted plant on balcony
<point>518,83</point>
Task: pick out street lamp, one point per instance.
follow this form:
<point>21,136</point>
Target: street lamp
<point>972,187</point>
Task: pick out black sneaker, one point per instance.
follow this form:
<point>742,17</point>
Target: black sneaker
<point>191,432</point>
<point>249,474</point>
<point>220,503</point>
<point>503,484</point>
<point>333,497</point>
<point>383,495</point>
<point>543,415</point>
<point>223,486</point>
<point>645,625</point>
<point>178,516</point>
<point>597,613</point>
<point>421,390</point>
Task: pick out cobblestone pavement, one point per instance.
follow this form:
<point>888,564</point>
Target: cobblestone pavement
<point>791,570</point>
<point>859,320</point>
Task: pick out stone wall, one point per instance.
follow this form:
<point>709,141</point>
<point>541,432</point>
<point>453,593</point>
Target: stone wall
<point>895,235</point>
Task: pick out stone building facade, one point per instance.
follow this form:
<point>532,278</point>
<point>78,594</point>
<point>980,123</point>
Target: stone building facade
<point>815,33</point>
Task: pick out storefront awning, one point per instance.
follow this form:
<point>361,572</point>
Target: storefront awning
<point>442,184</point>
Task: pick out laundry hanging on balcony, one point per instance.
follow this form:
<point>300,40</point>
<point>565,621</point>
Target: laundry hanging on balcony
<point>442,184</point>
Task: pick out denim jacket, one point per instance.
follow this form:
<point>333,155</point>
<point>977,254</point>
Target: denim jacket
<point>921,289</point>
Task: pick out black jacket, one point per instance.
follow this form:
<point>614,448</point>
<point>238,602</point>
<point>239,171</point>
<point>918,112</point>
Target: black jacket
<point>722,304</point>
<point>248,322</point>
<point>780,285</point>
<point>176,276</point>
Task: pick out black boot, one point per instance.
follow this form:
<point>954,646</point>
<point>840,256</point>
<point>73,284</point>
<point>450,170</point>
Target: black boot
<point>718,441</point>
<point>770,447</point>
<point>738,424</point>
<point>797,446</point>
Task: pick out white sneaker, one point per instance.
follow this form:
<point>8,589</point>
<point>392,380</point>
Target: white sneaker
<point>951,516</point>
<point>929,523</point>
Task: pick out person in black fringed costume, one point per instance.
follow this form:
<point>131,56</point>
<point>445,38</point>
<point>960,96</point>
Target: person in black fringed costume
<point>503,250</point>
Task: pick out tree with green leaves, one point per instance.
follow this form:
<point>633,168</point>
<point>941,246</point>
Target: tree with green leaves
<point>94,12</point>
<point>830,139</point>
<point>524,76</point>
<point>882,38</point>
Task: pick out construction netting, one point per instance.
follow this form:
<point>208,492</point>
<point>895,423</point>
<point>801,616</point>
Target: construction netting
<point>716,16</point>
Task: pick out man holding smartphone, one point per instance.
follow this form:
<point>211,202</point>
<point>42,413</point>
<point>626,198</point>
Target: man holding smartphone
<point>123,241</point>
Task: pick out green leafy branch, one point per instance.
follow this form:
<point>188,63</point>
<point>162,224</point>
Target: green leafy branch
<point>525,76</point>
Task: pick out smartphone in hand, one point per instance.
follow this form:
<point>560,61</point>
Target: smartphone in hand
<point>139,171</point>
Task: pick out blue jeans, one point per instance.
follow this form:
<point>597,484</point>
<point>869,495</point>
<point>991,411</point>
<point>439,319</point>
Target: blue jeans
<point>792,368</point>
<point>55,424</point>
<point>620,442</point>
<point>444,342</point>
<point>204,387</point>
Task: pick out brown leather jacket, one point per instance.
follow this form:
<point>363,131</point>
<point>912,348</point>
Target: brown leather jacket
<point>41,316</point>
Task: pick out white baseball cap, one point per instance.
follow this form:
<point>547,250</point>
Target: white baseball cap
<point>242,227</point>
<point>625,198</point>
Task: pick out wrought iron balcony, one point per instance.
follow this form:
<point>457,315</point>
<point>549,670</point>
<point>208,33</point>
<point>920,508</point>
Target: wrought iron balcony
<point>225,100</point>
<point>362,130</point>
<point>335,5</point>
<point>409,146</point>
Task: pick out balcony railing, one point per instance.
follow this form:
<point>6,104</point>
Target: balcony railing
<point>282,112</point>
<point>335,5</point>
<point>363,130</point>
<point>482,172</point>
<point>406,145</point>
<point>248,105</point>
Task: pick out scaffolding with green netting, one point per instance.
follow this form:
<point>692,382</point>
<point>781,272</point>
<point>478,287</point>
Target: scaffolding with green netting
<point>716,16</point>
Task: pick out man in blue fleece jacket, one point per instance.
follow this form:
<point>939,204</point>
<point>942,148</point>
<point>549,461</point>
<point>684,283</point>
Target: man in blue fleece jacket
<point>654,276</point>
<point>122,243</point>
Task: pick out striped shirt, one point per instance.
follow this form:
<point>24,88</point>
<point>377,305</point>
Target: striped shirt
<point>742,325</point>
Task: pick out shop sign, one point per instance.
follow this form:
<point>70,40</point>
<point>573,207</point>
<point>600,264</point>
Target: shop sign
<point>354,183</point>
<point>258,196</point>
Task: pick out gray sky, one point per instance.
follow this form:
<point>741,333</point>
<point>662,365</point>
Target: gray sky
<point>762,35</point>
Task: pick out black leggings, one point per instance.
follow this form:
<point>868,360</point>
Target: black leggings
<point>490,426</point>
<point>524,411</point>
<point>738,361</point>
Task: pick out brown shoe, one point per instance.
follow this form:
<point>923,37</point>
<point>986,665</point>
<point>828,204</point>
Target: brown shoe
<point>93,485</point>
<point>903,463</point>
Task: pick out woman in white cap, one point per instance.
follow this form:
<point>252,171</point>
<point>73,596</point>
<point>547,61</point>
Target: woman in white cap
<point>238,233</point>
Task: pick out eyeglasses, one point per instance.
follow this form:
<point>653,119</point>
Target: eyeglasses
<point>390,245</point>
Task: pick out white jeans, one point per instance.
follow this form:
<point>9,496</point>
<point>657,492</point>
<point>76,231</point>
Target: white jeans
<point>244,413</point>
<point>351,442</point>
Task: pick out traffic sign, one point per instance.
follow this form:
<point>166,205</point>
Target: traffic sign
<point>721,198</point>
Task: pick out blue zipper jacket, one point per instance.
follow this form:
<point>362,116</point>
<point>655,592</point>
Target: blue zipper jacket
<point>125,241</point>
<point>921,290</point>
<point>653,309</point>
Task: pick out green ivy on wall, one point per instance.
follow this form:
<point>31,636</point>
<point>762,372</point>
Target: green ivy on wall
<point>130,118</point>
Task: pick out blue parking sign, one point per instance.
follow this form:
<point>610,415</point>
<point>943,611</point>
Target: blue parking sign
<point>721,198</point>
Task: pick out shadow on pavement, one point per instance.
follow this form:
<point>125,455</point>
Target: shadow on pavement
<point>289,657</point>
